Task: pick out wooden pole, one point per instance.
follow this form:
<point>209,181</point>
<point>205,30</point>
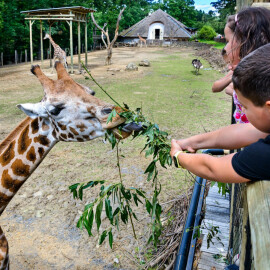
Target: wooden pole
<point>16,57</point>
<point>25,56</point>
<point>20,57</point>
<point>50,45</point>
<point>31,43</point>
<point>2,59</point>
<point>41,43</point>
<point>71,45</point>
<point>85,35</point>
<point>79,46</point>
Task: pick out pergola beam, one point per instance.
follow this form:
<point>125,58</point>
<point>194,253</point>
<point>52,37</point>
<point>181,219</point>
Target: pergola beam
<point>69,14</point>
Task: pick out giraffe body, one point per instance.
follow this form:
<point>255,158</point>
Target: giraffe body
<point>58,52</point>
<point>142,40</point>
<point>68,113</point>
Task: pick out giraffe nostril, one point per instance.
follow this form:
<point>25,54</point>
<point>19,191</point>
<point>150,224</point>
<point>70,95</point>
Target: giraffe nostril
<point>106,111</point>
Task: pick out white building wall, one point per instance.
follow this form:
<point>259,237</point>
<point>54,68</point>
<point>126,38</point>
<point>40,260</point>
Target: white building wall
<point>153,27</point>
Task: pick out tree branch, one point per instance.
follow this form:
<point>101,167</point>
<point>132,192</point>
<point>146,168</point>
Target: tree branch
<point>117,26</point>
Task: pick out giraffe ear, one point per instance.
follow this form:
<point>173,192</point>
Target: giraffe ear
<point>33,110</point>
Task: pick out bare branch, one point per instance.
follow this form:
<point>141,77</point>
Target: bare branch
<point>117,26</point>
<point>102,36</point>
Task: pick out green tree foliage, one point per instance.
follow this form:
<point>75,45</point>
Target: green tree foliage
<point>207,32</point>
<point>182,10</point>
<point>14,29</point>
<point>224,7</point>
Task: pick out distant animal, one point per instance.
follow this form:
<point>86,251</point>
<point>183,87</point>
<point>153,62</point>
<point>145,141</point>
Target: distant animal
<point>142,40</point>
<point>58,52</point>
<point>197,65</point>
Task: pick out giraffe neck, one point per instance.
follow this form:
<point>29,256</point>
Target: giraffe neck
<point>52,42</point>
<point>21,153</point>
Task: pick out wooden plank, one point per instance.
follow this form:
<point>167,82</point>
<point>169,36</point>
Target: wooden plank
<point>244,233</point>
<point>209,260</point>
<point>258,198</point>
<point>265,5</point>
<point>217,202</point>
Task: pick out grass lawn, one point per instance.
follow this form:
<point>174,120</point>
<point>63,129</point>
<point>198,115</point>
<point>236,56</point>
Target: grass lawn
<point>217,45</point>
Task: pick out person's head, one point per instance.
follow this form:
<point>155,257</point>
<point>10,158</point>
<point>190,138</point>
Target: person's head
<point>246,31</point>
<point>251,81</point>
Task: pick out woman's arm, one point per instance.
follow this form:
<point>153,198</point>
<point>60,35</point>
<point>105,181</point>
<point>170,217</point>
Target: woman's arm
<point>222,83</point>
<point>229,89</point>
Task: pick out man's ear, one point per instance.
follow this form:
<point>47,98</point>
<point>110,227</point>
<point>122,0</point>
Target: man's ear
<point>267,104</point>
<point>33,110</point>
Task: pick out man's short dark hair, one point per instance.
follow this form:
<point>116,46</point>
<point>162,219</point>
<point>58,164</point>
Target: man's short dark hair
<point>252,76</point>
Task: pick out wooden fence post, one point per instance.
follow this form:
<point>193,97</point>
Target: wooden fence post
<point>16,57</point>
<point>258,198</point>
<point>25,56</point>
<point>2,59</point>
<point>20,56</point>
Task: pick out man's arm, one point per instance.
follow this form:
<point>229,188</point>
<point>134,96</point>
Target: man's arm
<point>230,137</point>
<point>212,168</point>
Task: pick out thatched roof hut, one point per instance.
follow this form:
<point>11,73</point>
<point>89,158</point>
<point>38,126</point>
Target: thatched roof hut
<point>157,26</point>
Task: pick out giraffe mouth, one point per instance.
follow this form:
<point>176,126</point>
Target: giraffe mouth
<point>125,130</point>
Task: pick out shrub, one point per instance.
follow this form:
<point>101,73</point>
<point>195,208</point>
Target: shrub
<point>207,33</point>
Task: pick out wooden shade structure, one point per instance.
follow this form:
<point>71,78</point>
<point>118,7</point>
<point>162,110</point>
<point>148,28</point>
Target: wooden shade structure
<point>69,14</point>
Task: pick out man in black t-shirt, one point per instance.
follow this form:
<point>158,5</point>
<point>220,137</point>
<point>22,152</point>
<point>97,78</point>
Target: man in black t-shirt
<point>251,80</point>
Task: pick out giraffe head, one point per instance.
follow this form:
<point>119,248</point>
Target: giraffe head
<point>69,109</point>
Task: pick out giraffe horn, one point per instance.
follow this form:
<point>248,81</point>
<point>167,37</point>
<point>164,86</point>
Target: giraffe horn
<point>46,82</point>
<point>61,71</point>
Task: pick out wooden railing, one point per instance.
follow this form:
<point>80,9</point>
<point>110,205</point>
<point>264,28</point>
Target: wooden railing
<point>255,227</point>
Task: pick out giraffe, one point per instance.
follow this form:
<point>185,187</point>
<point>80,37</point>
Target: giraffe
<point>58,52</point>
<point>66,113</point>
<point>142,40</point>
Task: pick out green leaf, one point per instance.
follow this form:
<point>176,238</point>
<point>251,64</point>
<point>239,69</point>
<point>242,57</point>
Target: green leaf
<point>81,192</point>
<point>134,216</point>
<point>126,194</point>
<point>151,167</point>
<point>98,214</point>
<point>140,192</point>
<point>148,206</point>
<point>102,237</point>
<point>110,238</point>
<point>108,210</point>
<point>90,221</point>
<point>117,222</point>
<point>80,223</point>
<point>124,215</point>
<point>116,211</point>
<point>111,116</point>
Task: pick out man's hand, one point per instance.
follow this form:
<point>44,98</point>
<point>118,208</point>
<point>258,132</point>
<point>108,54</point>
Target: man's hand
<point>184,145</point>
<point>175,147</point>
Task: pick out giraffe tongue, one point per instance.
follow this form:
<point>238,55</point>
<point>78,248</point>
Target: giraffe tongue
<point>126,130</point>
<point>132,127</point>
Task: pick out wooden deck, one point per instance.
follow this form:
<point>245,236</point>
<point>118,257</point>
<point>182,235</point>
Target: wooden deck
<point>217,214</point>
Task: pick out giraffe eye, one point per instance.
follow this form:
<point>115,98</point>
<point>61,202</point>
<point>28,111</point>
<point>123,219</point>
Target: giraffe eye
<point>56,110</point>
